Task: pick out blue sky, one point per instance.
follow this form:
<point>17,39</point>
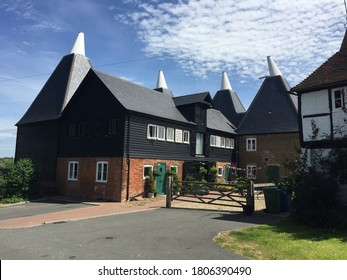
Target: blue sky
<point>192,41</point>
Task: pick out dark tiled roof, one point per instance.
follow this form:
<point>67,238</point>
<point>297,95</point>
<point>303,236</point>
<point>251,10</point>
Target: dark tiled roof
<point>273,110</point>
<point>230,105</point>
<point>333,71</point>
<point>139,99</point>
<point>217,121</point>
<point>192,99</point>
<point>58,90</point>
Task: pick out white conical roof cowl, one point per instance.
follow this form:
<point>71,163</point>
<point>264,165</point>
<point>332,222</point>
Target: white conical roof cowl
<point>78,47</point>
<point>225,82</point>
<point>273,69</point>
<point>161,83</point>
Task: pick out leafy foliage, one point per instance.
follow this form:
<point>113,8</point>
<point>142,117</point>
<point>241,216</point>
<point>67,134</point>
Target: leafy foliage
<point>23,180</point>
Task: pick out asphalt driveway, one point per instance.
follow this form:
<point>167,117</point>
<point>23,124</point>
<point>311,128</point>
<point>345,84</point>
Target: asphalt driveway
<point>161,234</point>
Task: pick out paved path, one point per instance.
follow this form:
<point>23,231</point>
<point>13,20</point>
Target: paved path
<point>111,231</point>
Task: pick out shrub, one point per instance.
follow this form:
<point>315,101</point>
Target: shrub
<point>23,180</point>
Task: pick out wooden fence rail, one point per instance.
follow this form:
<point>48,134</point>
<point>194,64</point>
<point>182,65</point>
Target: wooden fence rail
<point>220,194</point>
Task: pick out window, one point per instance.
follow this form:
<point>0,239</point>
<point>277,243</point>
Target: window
<point>220,171</point>
<point>170,134</point>
<point>101,171</point>
<point>338,97</point>
<point>222,142</point>
<point>161,133</point>
<point>81,129</point>
<point>232,143</point>
<point>73,171</point>
<point>186,137</point>
<point>251,171</point>
<point>174,168</point>
<point>213,141</point>
<point>152,131</point>
<point>251,144</point>
<point>199,145</point>
<point>112,126</point>
<point>72,130</point>
<point>178,135</point>
<point>147,169</point>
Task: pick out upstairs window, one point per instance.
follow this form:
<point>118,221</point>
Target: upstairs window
<point>101,171</point>
<point>161,133</point>
<point>178,135</point>
<point>152,131</point>
<point>186,137</point>
<point>112,126</point>
<point>81,129</point>
<point>72,130</point>
<point>73,171</point>
<point>213,141</point>
<point>338,98</point>
<point>170,134</point>
<point>222,142</point>
<point>251,144</point>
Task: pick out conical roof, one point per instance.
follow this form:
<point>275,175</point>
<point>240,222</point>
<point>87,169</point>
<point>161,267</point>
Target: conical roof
<point>58,89</point>
<point>227,101</point>
<point>273,109</point>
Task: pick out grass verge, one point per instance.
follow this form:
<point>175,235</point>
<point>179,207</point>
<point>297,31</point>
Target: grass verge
<point>286,240</point>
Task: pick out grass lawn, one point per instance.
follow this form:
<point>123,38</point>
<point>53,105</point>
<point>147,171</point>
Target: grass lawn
<point>286,240</point>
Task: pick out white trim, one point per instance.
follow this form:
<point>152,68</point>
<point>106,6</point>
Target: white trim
<point>251,171</point>
<point>102,171</point>
<point>249,144</point>
<point>186,133</point>
<point>170,139</point>
<point>73,172</point>
<point>174,167</point>
<point>162,129</point>
<point>152,134</point>
<point>143,170</point>
<point>220,174</point>
<point>178,135</point>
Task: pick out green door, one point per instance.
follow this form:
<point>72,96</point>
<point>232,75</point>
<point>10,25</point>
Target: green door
<point>161,182</point>
<point>273,173</point>
<point>227,173</point>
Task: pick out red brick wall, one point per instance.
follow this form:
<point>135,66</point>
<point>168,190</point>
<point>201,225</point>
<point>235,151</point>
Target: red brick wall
<point>272,149</point>
<point>86,185</point>
<point>136,182</point>
<point>115,189</point>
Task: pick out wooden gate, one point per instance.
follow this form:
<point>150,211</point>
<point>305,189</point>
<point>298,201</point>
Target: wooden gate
<point>220,194</point>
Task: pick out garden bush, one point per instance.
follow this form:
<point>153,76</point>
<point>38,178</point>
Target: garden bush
<point>23,180</point>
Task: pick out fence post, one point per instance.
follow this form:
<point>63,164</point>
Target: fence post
<point>169,193</point>
<point>250,196</point>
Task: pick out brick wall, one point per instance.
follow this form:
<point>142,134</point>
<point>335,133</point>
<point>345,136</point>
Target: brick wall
<point>116,187</point>
<point>136,182</point>
<point>86,185</point>
<point>272,149</point>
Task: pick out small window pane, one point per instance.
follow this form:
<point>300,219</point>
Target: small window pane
<point>185,136</point>
<point>170,134</point>
<point>161,133</point>
<point>147,169</point>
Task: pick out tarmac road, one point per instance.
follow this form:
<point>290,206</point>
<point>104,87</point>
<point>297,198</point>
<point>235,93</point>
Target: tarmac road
<point>160,234</point>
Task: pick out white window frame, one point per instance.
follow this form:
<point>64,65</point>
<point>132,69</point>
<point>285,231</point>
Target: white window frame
<point>249,144</point>
<point>144,168</point>
<point>104,173</point>
<point>213,140</point>
<point>340,99</point>
<point>72,173</point>
<point>161,133</point>
<point>251,171</point>
<point>222,142</point>
<point>152,133</point>
<point>170,134</point>
<point>227,143</point>
<point>178,135</point>
<point>220,171</point>
<point>174,168</point>
<point>186,136</point>
<point>232,143</point>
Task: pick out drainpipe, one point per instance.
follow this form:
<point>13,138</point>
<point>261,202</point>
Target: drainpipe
<point>128,157</point>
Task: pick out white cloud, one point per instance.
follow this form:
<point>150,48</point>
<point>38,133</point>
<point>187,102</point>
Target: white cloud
<point>215,35</point>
